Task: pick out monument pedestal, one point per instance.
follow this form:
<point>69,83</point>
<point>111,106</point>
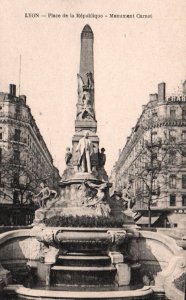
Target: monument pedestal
<point>123,274</point>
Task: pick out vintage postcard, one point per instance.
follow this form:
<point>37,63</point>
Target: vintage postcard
<point>92,149</point>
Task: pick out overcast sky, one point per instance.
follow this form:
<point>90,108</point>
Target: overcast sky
<point>131,56</point>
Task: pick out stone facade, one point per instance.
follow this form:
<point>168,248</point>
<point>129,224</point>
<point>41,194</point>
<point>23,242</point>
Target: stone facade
<point>154,156</point>
<point>25,158</point>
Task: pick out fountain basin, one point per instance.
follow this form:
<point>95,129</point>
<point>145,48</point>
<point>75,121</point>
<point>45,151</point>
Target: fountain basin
<point>82,239</point>
<point>32,294</point>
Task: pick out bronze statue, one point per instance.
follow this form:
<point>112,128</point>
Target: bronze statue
<point>102,158</point>
<point>68,156</point>
<point>44,195</point>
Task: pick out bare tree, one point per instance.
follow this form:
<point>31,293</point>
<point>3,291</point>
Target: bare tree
<point>19,178</point>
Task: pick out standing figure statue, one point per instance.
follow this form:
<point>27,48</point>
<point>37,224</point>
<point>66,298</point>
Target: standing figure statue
<point>85,149</point>
<point>102,158</point>
<point>68,156</point>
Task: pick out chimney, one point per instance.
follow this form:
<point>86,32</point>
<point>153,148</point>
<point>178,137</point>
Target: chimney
<point>161,91</point>
<point>12,89</point>
<point>153,97</point>
<point>184,88</point>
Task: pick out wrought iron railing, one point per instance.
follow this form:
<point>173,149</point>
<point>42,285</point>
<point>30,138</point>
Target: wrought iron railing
<point>16,215</point>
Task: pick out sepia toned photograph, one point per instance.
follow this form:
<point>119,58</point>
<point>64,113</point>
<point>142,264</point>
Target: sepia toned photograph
<point>92,150</point>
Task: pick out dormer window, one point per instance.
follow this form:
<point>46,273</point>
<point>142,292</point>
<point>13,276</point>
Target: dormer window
<point>172,113</point>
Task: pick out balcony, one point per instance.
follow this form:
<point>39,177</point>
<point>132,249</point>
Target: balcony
<point>17,162</point>
<point>14,116</point>
<point>156,165</point>
<point>19,141</point>
<point>155,143</point>
<point>166,121</point>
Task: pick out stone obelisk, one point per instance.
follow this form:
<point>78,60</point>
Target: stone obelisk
<point>87,54</point>
<point>85,116</point>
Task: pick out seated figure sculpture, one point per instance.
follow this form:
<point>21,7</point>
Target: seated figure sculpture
<point>98,201</point>
<point>44,195</point>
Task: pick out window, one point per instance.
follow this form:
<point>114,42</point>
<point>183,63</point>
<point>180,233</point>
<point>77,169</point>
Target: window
<point>16,156</point>
<point>155,187</point>
<point>172,135</point>
<point>17,135</point>
<point>1,133</point>
<point>184,135</point>
<point>1,183</point>
<point>172,157</point>
<point>16,197</point>
<point>18,109</point>
<point>172,113</point>
<point>172,200</point>
<point>16,179</point>
<point>184,156</point>
<point>172,181</point>
<point>184,113</point>
<point>154,136</point>
<point>154,156</point>
<point>183,181</point>
<point>0,155</point>
<point>154,115</point>
<point>183,200</point>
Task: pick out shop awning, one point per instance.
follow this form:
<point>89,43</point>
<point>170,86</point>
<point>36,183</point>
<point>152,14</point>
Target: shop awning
<point>136,216</point>
<point>145,220</point>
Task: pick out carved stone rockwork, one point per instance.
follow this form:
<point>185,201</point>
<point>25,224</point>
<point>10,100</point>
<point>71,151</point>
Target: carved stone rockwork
<point>118,238</point>
<point>176,266</point>
<point>47,235</point>
<point>79,197</point>
<point>5,275</point>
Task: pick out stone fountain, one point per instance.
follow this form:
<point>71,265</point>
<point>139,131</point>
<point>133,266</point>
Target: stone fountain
<point>80,246</point>
<point>87,251</point>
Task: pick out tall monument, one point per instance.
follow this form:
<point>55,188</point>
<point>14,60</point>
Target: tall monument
<point>85,121</point>
<point>84,188</point>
